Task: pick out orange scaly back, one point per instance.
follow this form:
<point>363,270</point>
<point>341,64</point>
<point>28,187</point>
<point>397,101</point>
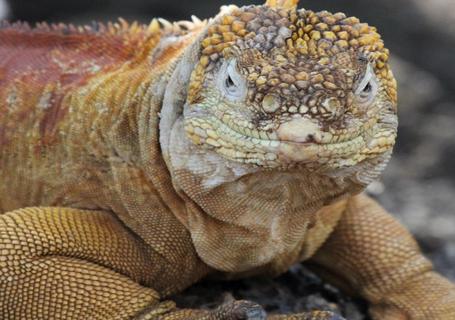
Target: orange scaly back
<point>38,66</point>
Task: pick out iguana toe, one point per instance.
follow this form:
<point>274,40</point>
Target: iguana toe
<point>240,310</point>
<point>313,315</point>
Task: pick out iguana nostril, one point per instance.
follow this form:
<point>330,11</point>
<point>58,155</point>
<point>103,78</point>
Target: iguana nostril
<point>271,103</point>
<point>332,107</point>
<point>310,138</point>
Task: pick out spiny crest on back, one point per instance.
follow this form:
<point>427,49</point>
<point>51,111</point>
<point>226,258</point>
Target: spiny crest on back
<point>119,28</point>
<point>102,44</point>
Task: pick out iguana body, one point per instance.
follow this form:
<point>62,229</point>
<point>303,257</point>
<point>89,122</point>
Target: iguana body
<point>146,172</point>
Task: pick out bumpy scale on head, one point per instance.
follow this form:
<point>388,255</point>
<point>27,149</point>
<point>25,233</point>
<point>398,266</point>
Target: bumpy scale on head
<point>278,87</point>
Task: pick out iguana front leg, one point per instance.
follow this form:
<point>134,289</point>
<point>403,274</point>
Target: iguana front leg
<point>372,254</point>
<point>61,263</point>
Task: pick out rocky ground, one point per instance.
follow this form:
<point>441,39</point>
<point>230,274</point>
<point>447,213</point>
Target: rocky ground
<point>419,184</point>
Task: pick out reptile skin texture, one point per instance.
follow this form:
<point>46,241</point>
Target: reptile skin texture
<point>137,160</point>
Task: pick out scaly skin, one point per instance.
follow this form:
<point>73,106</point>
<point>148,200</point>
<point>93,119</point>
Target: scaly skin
<point>136,160</point>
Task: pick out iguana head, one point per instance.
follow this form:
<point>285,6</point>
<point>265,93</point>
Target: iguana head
<point>277,87</point>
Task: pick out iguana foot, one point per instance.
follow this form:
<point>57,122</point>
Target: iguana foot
<point>232,310</point>
<point>246,310</point>
<point>239,310</point>
<point>313,315</point>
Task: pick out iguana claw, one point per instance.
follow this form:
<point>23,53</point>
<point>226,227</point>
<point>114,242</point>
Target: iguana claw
<point>240,310</point>
<point>313,315</point>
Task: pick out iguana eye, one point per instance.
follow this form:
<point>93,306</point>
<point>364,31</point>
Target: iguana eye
<point>367,88</point>
<point>231,83</point>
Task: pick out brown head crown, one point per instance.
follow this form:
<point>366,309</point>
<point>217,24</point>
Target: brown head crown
<point>277,37</point>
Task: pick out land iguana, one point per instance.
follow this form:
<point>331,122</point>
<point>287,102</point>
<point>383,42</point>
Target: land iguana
<point>137,160</point>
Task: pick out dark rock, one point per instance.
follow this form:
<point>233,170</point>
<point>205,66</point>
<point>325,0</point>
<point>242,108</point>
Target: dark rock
<point>295,291</point>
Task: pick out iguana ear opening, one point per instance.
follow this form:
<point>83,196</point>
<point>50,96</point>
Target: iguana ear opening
<point>282,4</point>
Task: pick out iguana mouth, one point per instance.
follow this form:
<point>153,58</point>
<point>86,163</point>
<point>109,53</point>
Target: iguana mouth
<point>301,141</point>
<point>301,130</point>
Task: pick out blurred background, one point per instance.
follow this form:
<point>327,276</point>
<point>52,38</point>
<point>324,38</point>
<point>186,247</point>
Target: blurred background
<point>419,184</point>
